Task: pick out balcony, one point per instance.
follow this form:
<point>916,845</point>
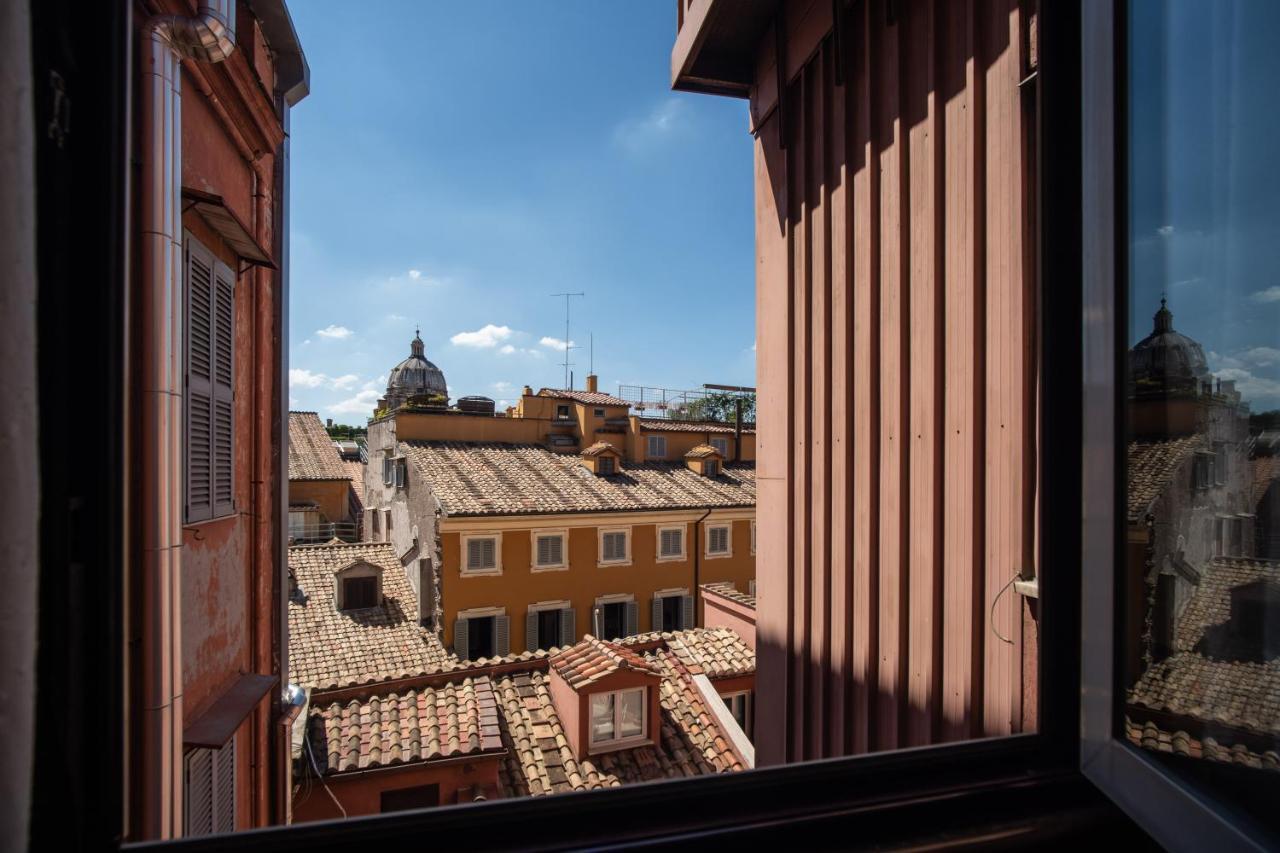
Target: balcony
<point>320,532</point>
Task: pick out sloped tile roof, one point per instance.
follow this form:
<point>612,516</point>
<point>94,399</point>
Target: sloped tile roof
<point>587,398</point>
<point>1152,466</point>
<point>1148,735</point>
<point>730,591</point>
<point>481,479</point>
<point>591,659</point>
<point>354,469</point>
<point>312,455</point>
<point>426,724</point>
<point>702,451</point>
<point>1265,471</point>
<point>673,425</point>
<point>329,649</point>
<point>717,652</point>
<point>682,702</point>
<point>1213,676</point>
<point>601,447</point>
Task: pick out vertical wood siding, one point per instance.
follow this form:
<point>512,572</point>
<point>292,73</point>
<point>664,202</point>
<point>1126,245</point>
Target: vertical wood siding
<point>896,318</point>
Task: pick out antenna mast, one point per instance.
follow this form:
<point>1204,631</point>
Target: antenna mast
<point>567,345</point>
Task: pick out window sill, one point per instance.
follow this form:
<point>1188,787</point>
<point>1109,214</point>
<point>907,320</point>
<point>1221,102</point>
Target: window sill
<point>616,745</point>
<point>612,563</point>
<point>537,569</point>
<point>195,525</point>
<point>717,556</point>
<point>480,573</point>
<point>681,558</point>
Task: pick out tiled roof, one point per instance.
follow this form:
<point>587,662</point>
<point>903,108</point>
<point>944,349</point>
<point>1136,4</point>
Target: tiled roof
<point>587,398</point>
<point>674,425</point>
<point>683,703</point>
<point>1265,470</point>
<point>730,591</point>
<point>1213,676</point>
<point>718,652</point>
<point>1150,736</point>
<point>427,724</point>
<point>512,479</point>
<point>591,659</point>
<point>312,455</point>
<point>702,451</point>
<point>329,649</point>
<point>601,447</point>
<point>355,472</point>
<point>1151,467</point>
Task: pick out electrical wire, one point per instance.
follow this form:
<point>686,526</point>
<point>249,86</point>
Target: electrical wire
<point>307,742</point>
<point>996,600</point>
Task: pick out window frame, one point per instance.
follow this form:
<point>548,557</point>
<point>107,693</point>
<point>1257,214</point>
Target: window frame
<point>658,556</point>
<point>614,743</point>
<point>649,440</point>
<point>601,532</point>
<point>721,444</point>
<point>746,697</point>
<point>464,547</point>
<point>1176,810</point>
<point>708,526</point>
<point>535,535</point>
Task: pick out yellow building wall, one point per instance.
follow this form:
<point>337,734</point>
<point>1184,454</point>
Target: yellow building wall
<point>680,443</point>
<point>422,426</point>
<point>329,495</point>
<point>584,581</point>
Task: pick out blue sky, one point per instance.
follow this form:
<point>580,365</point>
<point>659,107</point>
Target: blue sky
<point>457,163</point>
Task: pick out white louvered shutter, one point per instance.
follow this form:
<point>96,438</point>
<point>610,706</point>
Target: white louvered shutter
<point>550,550</point>
<point>461,639</point>
<point>568,627</point>
<point>199,381</point>
<point>198,788</point>
<point>656,625</point>
<point>501,636</point>
<point>615,546</point>
<point>224,305</point>
<point>633,618</point>
<point>531,631</point>
<point>687,615</point>
<point>224,788</point>
<point>671,543</point>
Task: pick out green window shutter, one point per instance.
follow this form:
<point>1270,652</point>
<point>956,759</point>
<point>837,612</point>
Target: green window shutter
<point>568,630</point>
<point>656,625</point>
<point>461,640</point>
<point>531,631</point>
<point>687,614</point>
<point>198,397</point>
<point>633,618</point>
<point>501,636</point>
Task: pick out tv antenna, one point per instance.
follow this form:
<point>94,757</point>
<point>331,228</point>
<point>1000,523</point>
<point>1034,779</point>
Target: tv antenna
<point>567,345</point>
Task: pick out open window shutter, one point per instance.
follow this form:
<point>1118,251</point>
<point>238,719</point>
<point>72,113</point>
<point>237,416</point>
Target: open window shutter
<point>461,639</point>
<point>501,636</point>
<point>224,312</point>
<point>531,631</point>
<point>489,557</point>
<point>633,618</point>
<point>199,381</point>
<point>568,628</point>
<point>224,788</point>
<point>686,615</point>
<point>198,811</point>
<point>656,625</point>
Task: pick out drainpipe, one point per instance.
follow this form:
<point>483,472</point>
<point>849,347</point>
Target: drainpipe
<point>167,39</point>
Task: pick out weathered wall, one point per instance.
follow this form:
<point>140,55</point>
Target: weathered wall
<point>361,793</point>
<point>721,612</point>
<point>897,376</point>
<point>680,443</point>
<point>332,496</point>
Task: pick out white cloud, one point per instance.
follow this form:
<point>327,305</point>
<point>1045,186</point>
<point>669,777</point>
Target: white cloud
<point>507,349</point>
<point>1164,230</point>
<point>293,401</point>
<point>415,274</point>
<point>1271,294</point>
<point>305,378</point>
<point>502,404</point>
<point>555,343</point>
<point>342,383</point>
<point>483,338</point>
<point>501,386</point>
<point>335,332</point>
<point>664,121</point>
<point>397,318</point>
<point>307,341</point>
<point>362,403</point>
<point>1264,393</point>
<point>1261,356</point>
<point>1219,362</point>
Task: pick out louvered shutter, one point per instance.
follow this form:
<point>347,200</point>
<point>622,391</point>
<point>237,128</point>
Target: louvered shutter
<point>656,625</point>
<point>633,618</point>
<point>531,631</point>
<point>461,639</point>
<point>199,386</point>
<point>224,788</point>
<point>198,787</point>
<point>501,636</point>
<point>687,617</point>
<point>568,628</point>
<point>223,390</point>
<point>488,553</point>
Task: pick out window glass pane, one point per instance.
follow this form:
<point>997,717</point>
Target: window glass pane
<point>602,717</point>
<point>1202,568</point>
<point>631,713</point>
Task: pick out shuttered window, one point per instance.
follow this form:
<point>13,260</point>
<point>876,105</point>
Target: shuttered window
<point>613,547</point>
<point>718,540</point>
<point>722,445</point>
<point>551,550</point>
<point>657,447</point>
<point>482,554</point>
<point>606,466</point>
<point>671,542</point>
<point>210,789</point>
<point>210,383</point>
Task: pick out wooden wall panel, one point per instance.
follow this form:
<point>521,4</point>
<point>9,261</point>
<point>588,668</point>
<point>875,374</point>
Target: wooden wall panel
<point>896,330</point>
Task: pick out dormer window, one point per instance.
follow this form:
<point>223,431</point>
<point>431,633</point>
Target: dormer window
<point>704,460</point>
<point>606,468</point>
<point>601,459</point>
<point>359,586</point>
<point>711,468</point>
<point>562,413</point>
<point>618,717</point>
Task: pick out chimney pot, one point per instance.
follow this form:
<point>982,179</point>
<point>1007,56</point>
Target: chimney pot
<point>592,382</point>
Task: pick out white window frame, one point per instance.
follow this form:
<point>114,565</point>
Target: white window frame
<point>707,527</point>
<point>721,444</point>
<point>684,545</point>
<point>617,742</point>
<point>600,602</point>
<point>564,412</point>
<point>496,536</point>
<point>745,695</point>
<point>534,536</point>
<point>676,592</point>
<point>600,534</point>
<point>542,606</point>
<point>661,441</point>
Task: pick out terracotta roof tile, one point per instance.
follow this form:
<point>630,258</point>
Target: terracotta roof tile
<point>1152,465</point>
<point>1148,735</point>
<point>717,652</point>
<point>591,659</point>
<point>355,469</point>
<point>702,451</point>
<point>312,455</point>
<point>601,447</point>
<point>511,479</point>
<point>588,398</point>
<point>674,425</point>
<point>730,591</point>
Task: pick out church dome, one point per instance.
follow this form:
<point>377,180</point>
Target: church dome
<point>415,377</point>
<point>1166,362</point>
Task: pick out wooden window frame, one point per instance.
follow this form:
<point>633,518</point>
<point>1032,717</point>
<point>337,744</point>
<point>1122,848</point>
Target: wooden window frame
<point>464,539</point>
<point>616,743</point>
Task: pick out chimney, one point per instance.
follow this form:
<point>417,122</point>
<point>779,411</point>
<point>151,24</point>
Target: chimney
<point>528,392</point>
<point>592,382</point>
<point>328,422</point>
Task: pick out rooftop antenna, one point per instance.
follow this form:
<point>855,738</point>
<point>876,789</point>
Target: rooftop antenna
<point>567,346</point>
<point>591,353</point>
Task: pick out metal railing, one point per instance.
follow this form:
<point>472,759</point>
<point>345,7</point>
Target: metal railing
<point>311,534</point>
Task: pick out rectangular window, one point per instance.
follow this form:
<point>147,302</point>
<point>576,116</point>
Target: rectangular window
<point>613,546</point>
<point>401,472</point>
<point>482,633</point>
<point>482,554</point>
<point>753,536</point>
<point>549,553</point>
<point>550,625</point>
<point>599,413</point>
<point>562,412</point>
<point>359,592</point>
<point>402,799</point>
<point>480,637</point>
<point>606,466</point>
<point>617,717</point>
<point>722,445</point>
<point>657,447</point>
<point>210,790</point>
<point>673,612</point>
<point>617,619</point>
<point>388,474</point>
<point>210,384</point>
<point>549,629</point>
<point>718,540</point>
<point>740,706</point>
<point>670,542</point>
